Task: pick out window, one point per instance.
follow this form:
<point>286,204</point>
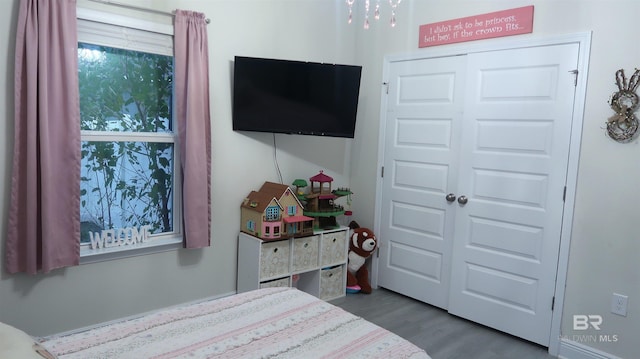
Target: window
<point>272,213</point>
<point>291,210</point>
<point>129,192</point>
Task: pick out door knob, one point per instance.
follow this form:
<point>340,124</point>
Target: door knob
<point>451,197</point>
<point>463,199</point>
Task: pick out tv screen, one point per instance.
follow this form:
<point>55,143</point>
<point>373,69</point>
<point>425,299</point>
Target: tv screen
<point>295,97</point>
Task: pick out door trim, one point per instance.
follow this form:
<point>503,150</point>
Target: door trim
<point>584,41</point>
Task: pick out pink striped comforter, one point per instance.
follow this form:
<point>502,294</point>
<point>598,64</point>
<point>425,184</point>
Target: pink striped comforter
<point>271,322</point>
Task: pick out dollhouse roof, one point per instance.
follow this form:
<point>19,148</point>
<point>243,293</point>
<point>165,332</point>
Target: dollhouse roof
<point>275,189</point>
<point>259,200</point>
<point>321,177</point>
<point>296,219</point>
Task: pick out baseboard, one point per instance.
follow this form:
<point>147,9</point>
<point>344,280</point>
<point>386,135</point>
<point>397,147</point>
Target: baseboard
<point>574,350</point>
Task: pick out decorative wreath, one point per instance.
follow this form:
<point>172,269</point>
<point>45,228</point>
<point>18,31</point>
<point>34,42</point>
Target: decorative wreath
<point>623,125</point>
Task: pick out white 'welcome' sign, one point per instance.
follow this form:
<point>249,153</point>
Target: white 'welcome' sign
<point>119,237</point>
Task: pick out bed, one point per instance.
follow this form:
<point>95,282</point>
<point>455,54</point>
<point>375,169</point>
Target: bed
<point>269,322</point>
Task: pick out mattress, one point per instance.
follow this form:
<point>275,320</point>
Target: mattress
<point>264,323</point>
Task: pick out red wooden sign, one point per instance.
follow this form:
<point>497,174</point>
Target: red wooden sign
<point>496,24</point>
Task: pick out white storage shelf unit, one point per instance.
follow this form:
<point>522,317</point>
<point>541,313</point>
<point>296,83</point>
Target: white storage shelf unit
<point>315,264</point>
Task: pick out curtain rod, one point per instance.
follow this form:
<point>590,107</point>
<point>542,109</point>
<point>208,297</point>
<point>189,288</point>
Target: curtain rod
<point>139,8</point>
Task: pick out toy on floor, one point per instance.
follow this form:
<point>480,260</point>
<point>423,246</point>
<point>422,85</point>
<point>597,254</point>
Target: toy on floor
<point>362,244</point>
<point>353,289</point>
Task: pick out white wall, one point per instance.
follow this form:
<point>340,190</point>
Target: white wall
<point>604,247</point>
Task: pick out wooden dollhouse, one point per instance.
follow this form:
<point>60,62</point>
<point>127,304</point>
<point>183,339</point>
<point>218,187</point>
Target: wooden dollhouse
<point>274,212</point>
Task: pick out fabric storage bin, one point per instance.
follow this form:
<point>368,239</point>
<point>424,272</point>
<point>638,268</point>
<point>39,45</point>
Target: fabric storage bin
<point>332,282</point>
<point>333,248</point>
<point>305,253</point>
<point>274,259</point>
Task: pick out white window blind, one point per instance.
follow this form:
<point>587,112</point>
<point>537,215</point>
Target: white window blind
<point>124,33</point>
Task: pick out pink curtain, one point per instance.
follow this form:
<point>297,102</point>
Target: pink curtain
<point>44,214</point>
<point>194,127</point>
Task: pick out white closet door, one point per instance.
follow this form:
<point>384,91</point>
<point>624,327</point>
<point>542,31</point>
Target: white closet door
<point>421,143</point>
<point>513,164</point>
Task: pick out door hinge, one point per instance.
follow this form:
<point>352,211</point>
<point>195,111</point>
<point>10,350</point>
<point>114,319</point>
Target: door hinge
<point>575,77</point>
<point>564,194</point>
<point>382,172</point>
<point>553,303</point>
<point>386,84</point>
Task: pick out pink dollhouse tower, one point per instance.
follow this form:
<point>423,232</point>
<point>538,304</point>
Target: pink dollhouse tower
<point>321,202</point>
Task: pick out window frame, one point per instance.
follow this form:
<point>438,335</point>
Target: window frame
<point>159,242</point>
<point>272,214</point>
<point>292,210</point>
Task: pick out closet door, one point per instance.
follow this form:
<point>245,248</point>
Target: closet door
<point>422,133</point>
<point>514,154</point>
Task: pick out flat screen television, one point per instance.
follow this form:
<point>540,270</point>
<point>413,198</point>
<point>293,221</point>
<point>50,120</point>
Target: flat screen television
<point>295,97</point>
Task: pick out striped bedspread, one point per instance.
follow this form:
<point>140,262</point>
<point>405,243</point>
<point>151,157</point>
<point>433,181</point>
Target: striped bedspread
<point>270,322</point>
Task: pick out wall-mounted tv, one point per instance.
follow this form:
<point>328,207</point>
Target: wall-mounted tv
<point>295,97</point>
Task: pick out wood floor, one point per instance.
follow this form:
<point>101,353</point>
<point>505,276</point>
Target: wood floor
<point>442,335</point>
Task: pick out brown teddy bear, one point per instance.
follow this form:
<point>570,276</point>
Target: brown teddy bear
<point>362,244</point>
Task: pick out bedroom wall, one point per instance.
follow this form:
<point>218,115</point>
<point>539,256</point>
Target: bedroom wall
<point>81,296</point>
<point>604,245</point>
